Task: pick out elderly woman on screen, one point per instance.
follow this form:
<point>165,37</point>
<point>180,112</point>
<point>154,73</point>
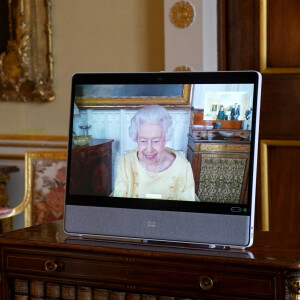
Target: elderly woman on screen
<point>152,170</point>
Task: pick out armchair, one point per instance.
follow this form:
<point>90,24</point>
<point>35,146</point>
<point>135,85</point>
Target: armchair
<point>43,199</point>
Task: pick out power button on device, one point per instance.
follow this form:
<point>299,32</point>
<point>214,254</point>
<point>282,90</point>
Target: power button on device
<point>236,209</point>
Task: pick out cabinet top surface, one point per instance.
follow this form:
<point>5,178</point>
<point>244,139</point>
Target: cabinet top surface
<point>269,249</point>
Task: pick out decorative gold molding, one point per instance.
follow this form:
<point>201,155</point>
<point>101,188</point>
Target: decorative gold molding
<point>12,156</point>
<point>26,67</point>
<point>182,14</point>
<point>33,145</point>
<point>264,44</point>
<point>264,144</point>
<point>33,137</point>
<point>293,284</point>
<point>234,148</point>
<point>30,142</point>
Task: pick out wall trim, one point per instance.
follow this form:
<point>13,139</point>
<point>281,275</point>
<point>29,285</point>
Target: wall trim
<point>33,137</point>
<point>13,146</point>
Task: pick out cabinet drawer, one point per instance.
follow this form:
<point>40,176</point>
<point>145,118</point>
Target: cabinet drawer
<point>64,266</point>
<point>209,281</point>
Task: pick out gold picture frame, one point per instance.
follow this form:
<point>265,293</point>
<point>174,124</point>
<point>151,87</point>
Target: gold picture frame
<point>26,61</point>
<point>114,101</point>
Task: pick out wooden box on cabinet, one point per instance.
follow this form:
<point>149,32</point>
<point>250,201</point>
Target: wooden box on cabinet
<point>91,168</point>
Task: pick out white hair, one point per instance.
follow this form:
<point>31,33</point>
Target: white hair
<point>153,114</point>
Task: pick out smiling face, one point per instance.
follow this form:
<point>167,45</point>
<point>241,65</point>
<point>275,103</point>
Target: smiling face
<point>151,143</point>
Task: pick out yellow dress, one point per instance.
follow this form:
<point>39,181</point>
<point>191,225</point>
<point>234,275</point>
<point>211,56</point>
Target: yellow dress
<point>174,183</point>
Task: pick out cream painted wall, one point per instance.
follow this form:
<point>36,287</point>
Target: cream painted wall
<point>90,36</point>
<point>194,46</point>
<point>98,36</point>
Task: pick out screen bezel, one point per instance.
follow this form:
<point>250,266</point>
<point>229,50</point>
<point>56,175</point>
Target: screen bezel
<point>240,77</point>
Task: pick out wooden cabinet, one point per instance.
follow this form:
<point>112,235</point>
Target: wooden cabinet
<point>45,254</point>
<point>91,168</point>
<point>261,35</point>
<point>138,274</point>
<point>220,163</point>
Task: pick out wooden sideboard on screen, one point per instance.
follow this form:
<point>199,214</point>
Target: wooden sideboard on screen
<point>91,168</point>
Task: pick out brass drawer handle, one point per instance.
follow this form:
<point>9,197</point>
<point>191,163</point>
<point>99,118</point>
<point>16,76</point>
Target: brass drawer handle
<point>50,266</point>
<point>206,283</point>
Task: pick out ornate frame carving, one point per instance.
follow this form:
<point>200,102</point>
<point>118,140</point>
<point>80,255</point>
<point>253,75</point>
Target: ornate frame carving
<point>182,14</point>
<point>26,67</point>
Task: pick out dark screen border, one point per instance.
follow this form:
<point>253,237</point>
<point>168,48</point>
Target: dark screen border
<point>234,77</point>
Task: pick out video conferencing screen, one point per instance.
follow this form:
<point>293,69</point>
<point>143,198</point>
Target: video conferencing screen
<point>167,146</point>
